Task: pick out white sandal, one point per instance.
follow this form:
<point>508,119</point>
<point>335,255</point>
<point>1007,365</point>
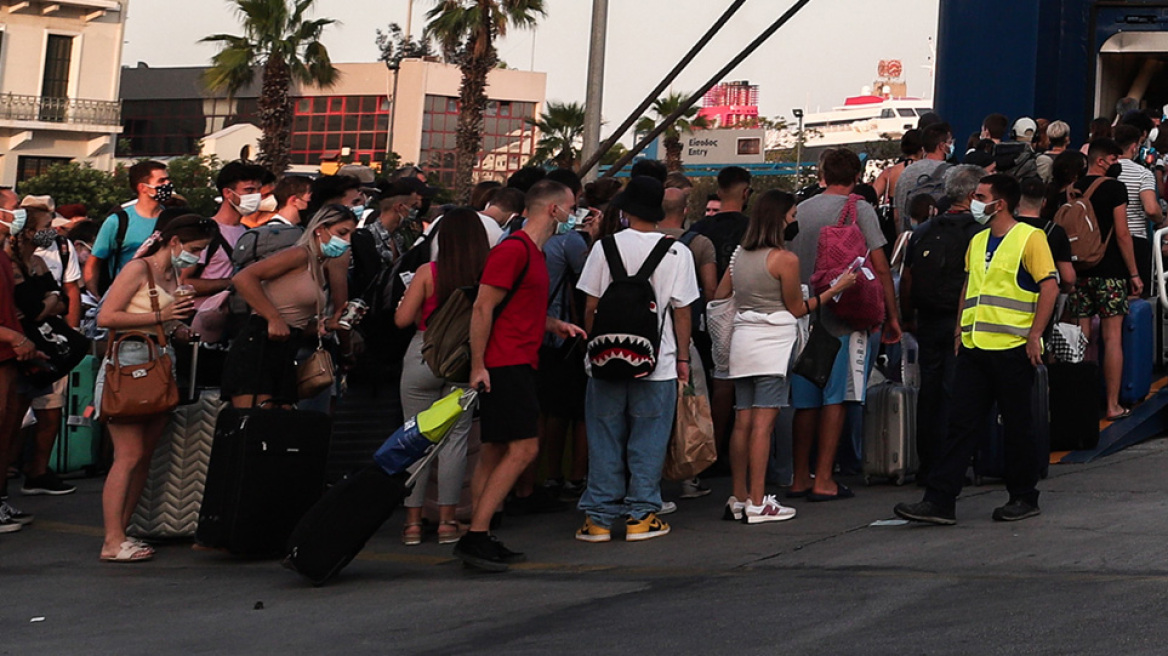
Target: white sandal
<point>130,552</point>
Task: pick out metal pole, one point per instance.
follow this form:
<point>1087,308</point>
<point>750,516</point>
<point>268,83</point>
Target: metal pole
<point>392,117</point>
<point>689,102</point>
<point>799,152</point>
<point>590,162</point>
<point>594,97</point>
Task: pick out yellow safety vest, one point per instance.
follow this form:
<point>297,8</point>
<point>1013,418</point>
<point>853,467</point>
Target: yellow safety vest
<point>998,313</point>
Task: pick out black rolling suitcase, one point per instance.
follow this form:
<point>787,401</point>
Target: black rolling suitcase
<point>1074,406</point>
<point>267,469</point>
<point>990,461</point>
<point>335,530</point>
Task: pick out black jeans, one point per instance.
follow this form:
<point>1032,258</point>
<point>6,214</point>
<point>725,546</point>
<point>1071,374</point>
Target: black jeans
<point>984,377</point>
<point>938,364</point>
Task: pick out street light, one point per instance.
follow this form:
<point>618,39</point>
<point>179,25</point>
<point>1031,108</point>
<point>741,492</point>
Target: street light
<point>798,113</point>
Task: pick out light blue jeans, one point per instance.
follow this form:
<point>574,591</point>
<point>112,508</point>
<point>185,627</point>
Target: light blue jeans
<point>629,423</point>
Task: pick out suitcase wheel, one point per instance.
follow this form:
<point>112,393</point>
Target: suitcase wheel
<point>867,479</point>
<point>900,479</point>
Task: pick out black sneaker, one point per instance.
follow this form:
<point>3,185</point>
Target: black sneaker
<point>1015,511</point>
<point>508,556</point>
<point>925,511</point>
<point>479,550</point>
<point>47,483</point>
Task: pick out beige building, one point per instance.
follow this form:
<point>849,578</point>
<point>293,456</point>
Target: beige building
<point>167,112</point>
<point>59,65</point>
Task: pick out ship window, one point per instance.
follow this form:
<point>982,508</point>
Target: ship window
<point>888,113</point>
<point>905,112</point>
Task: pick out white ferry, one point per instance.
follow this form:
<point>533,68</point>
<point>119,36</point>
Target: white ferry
<point>863,118</point>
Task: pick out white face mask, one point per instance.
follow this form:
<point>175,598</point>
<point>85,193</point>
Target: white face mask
<point>249,203</point>
<point>269,204</point>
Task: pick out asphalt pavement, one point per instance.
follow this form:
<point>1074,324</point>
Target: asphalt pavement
<point>1089,576</point>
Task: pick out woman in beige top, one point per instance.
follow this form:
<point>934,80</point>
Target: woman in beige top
<point>764,278</point>
<point>127,309</point>
<point>287,298</point>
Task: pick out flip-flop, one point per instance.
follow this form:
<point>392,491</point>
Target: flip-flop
<point>1123,415</point>
<point>842,492</point>
<point>797,494</point>
<point>130,552</point>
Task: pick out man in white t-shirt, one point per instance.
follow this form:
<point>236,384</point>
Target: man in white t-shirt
<point>1143,204</point>
<point>629,421</point>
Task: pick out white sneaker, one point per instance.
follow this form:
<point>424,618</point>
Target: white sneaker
<point>694,488</point>
<point>770,511</point>
<point>22,518</point>
<point>667,507</point>
<point>734,509</point>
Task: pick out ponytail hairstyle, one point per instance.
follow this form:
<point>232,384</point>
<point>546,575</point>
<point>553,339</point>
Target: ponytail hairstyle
<point>462,251</point>
<point>188,228</point>
<point>328,215</point>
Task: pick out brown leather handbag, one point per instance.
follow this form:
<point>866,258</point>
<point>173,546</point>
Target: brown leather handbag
<point>315,373</point>
<point>137,391</point>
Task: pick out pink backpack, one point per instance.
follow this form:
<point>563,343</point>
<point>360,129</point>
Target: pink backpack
<point>862,305</point>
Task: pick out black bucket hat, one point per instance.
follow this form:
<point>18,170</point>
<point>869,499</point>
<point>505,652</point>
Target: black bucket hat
<point>642,198</point>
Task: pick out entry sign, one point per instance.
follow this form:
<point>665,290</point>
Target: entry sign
<point>726,146</point>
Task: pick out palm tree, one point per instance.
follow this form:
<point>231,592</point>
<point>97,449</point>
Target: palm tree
<point>687,123</point>
<point>561,128</point>
<point>466,31</point>
<point>278,39</point>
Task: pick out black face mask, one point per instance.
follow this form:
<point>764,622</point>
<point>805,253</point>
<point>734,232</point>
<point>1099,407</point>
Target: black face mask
<point>791,231</point>
<point>1114,170</point>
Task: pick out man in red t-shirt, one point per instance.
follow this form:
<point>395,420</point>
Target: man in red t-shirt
<point>14,346</point>
<point>506,330</point>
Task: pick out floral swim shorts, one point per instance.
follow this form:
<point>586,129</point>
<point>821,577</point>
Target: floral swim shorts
<point>1106,297</point>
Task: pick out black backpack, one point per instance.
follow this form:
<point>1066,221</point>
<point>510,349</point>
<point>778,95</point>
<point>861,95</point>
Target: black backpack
<point>106,275</point>
<point>626,329</point>
<point>938,269</point>
<point>932,184</point>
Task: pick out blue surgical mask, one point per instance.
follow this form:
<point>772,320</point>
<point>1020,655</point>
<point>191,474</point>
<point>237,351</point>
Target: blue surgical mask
<point>19,218</point>
<point>566,227</point>
<point>358,210</point>
<point>184,260</point>
<point>334,247</point>
<point>978,210</point>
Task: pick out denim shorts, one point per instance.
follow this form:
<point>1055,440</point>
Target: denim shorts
<point>849,376</point>
<point>129,353</point>
<point>761,392</point>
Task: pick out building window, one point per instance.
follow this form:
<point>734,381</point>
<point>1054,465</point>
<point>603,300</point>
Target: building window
<point>31,166</point>
<point>55,83</point>
<point>508,141</point>
<point>321,126</point>
<point>168,128</point>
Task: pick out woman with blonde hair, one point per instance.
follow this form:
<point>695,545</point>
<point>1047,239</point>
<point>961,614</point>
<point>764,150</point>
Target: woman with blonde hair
<point>286,293</point>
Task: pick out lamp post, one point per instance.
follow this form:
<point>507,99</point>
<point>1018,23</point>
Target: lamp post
<point>798,113</point>
<point>594,88</point>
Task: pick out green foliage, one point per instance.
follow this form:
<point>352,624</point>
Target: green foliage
<point>687,123</point>
<point>705,186</point>
<point>617,151</point>
<point>73,182</point>
<point>561,127</point>
<point>394,46</point>
<point>194,179</point>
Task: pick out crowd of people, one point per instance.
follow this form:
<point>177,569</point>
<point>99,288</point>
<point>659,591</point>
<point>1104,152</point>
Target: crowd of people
<point>962,250</point>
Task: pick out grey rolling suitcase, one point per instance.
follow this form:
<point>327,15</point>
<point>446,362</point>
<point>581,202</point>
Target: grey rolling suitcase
<point>890,427</point>
<point>170,502</point>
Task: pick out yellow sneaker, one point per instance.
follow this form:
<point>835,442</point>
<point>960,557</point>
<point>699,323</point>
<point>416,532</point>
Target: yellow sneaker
<point>592,532</point>
<point>645,529</point>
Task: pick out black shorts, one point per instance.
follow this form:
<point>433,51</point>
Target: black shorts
<point>257,365</point>
<point>510,411</point>
<point>562,381</point>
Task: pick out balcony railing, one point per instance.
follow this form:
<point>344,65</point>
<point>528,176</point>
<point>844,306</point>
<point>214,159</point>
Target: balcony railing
<point>74,111</point>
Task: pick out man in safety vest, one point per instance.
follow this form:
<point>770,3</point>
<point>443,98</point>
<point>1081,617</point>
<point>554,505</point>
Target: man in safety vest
<point>1010,290</point>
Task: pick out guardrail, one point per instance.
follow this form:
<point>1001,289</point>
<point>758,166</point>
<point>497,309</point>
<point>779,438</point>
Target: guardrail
<point>75,111</point>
